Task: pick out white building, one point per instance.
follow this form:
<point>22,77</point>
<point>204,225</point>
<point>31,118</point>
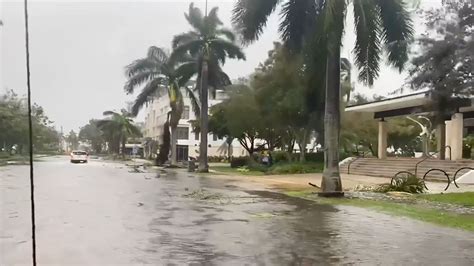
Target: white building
<point>188,142</point>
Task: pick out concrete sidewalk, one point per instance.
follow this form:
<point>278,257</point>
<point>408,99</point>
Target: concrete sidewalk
<point>349,182</point>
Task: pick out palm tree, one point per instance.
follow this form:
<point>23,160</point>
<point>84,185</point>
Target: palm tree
<point>211,44</point>
<point>320,23</point>
<point>119,127</point>
<point>72,140</point>
<point>160,75</point>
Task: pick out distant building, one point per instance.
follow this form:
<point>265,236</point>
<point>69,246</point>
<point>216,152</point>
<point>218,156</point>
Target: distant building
<point>188,141</point>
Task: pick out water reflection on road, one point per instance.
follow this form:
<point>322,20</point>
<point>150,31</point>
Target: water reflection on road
<point>266,228</point>
<point>100,214</point>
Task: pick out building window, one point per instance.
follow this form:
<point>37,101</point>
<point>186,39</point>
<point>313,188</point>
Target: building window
<point>185,114</point>
<point>214,137</point>
<point>182,133</point>
<point>196,135</point>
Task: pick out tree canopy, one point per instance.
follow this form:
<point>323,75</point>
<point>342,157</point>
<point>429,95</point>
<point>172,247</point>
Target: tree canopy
<point>445,61</point>
<point>14,126</point>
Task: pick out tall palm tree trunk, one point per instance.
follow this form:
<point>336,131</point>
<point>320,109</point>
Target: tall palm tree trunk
<point>174,150</point>
<point>203,166</point>
<point>123,140</point>
<point>229,148</point>
<point>302,144</point>
<point>331,182</point>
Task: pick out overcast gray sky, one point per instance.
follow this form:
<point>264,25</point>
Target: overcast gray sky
<point>79,50</point>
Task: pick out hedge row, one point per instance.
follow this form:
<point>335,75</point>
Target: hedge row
<point>278,157</point>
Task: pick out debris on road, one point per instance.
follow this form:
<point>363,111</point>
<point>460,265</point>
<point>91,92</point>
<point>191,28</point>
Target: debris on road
<point>202,194</point>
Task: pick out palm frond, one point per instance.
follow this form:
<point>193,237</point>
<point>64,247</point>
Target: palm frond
<point>132,130</point>
<point>397,30</point>
<point>147,94</point>
<point>142,65</point>
<point>184,38</point>
<point>250,17</point>
<point>195,105</point>
<point>195,17</point>
<point>192,48</point>
<point>110,113</point>
<point>298,17</point>
<point>212,20</point>
<point>217,78</point>
<point>157,53</point>
<point>367,48</point>
<point>231,49</point>
<point>227,33</point>
<point>346,64</point>
<point>185,72</point>
<point>139,72</point>
<point>219,55</point>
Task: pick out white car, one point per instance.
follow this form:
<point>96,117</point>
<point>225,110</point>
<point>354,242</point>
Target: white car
<point>79,157</point>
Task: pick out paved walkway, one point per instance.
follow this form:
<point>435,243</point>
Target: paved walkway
<point>349,182</point>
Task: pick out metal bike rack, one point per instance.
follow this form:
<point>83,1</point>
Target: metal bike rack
<point>439,170</point>
<point>456,174</point>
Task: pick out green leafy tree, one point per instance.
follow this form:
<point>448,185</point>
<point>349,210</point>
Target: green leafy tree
<point>91,134</point>
<point>218,127</point>
<point>320,24</point>
<point>445,64</point>
<point>280,92</point>
<point>211,44</point>
<point>238,117</point>
<point>159,75</point>
<point>14,126</point>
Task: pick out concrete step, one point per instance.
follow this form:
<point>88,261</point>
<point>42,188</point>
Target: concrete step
<point>389,167</point>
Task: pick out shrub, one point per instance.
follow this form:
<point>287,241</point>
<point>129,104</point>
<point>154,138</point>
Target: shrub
<point>236,162</point>
<point>296,168</point>
<point>280,156</point>
<point>255,166</point>
<point>409,183</point>
<point>316,157</point>
<point>216,159</point>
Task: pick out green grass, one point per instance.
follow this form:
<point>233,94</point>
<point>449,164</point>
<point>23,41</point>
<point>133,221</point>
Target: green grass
<point>295,168</point>
<point>464,199</point>
<point>460,221</point>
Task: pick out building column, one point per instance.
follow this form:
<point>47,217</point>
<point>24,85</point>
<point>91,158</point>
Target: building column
<point>382,144</point>
<point>448,140</point>
<point>456,136</point>
<point>441,141</point>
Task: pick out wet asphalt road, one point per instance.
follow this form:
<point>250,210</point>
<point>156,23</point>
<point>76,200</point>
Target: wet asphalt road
<point>100,214</point>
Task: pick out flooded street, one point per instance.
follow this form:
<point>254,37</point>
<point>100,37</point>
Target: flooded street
<point>101,214</point>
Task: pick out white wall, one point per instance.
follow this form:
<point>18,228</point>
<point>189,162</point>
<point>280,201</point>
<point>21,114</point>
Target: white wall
<point>155,117</point>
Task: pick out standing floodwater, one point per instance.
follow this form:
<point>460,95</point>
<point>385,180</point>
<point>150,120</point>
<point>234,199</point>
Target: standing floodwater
<point>100,213</point>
